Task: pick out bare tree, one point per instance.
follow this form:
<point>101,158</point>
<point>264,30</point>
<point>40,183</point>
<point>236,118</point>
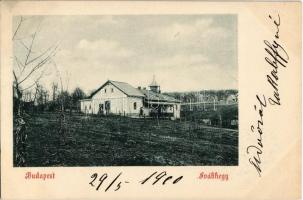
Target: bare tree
<point>62,98</point>
<point>54,91</point>
<point>41,97</point>
<point>29,67</point>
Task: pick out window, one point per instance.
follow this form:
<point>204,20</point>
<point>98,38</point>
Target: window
<point>135,105</point>
<point>112,90</point>
<point>105,90</point>
<point>90,106</point>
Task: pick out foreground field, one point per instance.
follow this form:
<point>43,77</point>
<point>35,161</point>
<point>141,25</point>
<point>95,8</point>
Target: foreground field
<point>119,141</point>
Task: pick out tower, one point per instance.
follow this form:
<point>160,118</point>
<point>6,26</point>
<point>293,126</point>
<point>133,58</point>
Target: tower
<point>154,86</point>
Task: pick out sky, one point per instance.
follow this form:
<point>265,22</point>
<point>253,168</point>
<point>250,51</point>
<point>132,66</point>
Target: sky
<point>183,52</point>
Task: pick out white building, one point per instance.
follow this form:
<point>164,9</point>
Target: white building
<point>121,98</point>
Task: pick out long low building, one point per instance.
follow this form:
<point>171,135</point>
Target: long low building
<point>120,98</point>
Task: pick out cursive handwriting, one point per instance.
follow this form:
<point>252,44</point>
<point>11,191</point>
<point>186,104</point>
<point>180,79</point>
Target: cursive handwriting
<point>255,151</point>
<point>159,177</point>
<point>276,57</point>
<point>115,183</point>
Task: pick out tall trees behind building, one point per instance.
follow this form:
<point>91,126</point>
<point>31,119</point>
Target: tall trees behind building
<point>41,99</point>
<point>205,95</point>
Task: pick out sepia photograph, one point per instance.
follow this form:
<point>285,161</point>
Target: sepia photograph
<point>150,100</point>
<point>125,90</point>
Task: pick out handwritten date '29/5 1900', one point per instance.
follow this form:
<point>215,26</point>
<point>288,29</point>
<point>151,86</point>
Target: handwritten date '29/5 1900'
<point>115,183</point>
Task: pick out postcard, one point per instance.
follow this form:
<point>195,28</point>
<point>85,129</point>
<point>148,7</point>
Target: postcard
<point>150,100</point>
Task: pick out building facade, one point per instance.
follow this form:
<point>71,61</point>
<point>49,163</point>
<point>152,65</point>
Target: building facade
<point>120,98</point>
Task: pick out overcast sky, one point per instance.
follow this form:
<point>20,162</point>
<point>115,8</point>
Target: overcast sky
<point>184,52</point>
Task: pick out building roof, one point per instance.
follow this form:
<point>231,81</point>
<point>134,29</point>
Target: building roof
<point>132,91</point>
<point>124,87</point>
<point>153,96</point>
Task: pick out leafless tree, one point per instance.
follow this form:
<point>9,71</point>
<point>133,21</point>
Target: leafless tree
<point>54,91</point>
<point>41,96</point>
<point>62,98</point>
<point>29,65</point>
<point>28,68</point>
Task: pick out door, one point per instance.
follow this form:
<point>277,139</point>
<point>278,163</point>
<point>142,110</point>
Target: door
<point>107,107</point>
<point>101,108</point>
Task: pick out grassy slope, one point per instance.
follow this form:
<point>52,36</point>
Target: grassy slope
<point>108,141</point>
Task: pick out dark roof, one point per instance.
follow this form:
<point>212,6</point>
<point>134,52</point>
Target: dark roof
<point>153,96</point>
<point>122,86</point>
<point>132,91</point>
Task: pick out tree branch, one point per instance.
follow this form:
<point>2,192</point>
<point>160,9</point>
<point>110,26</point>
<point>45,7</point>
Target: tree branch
<point>31,45</point>
<point>30,49</point>
<point>36,81</point>
<point>35,69</point>
<point>42,54</point>
<point>26,47</point>
<point>19,67</point>
<point>15,77</point>
<point>39,65</point>
<point>18,27</point>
